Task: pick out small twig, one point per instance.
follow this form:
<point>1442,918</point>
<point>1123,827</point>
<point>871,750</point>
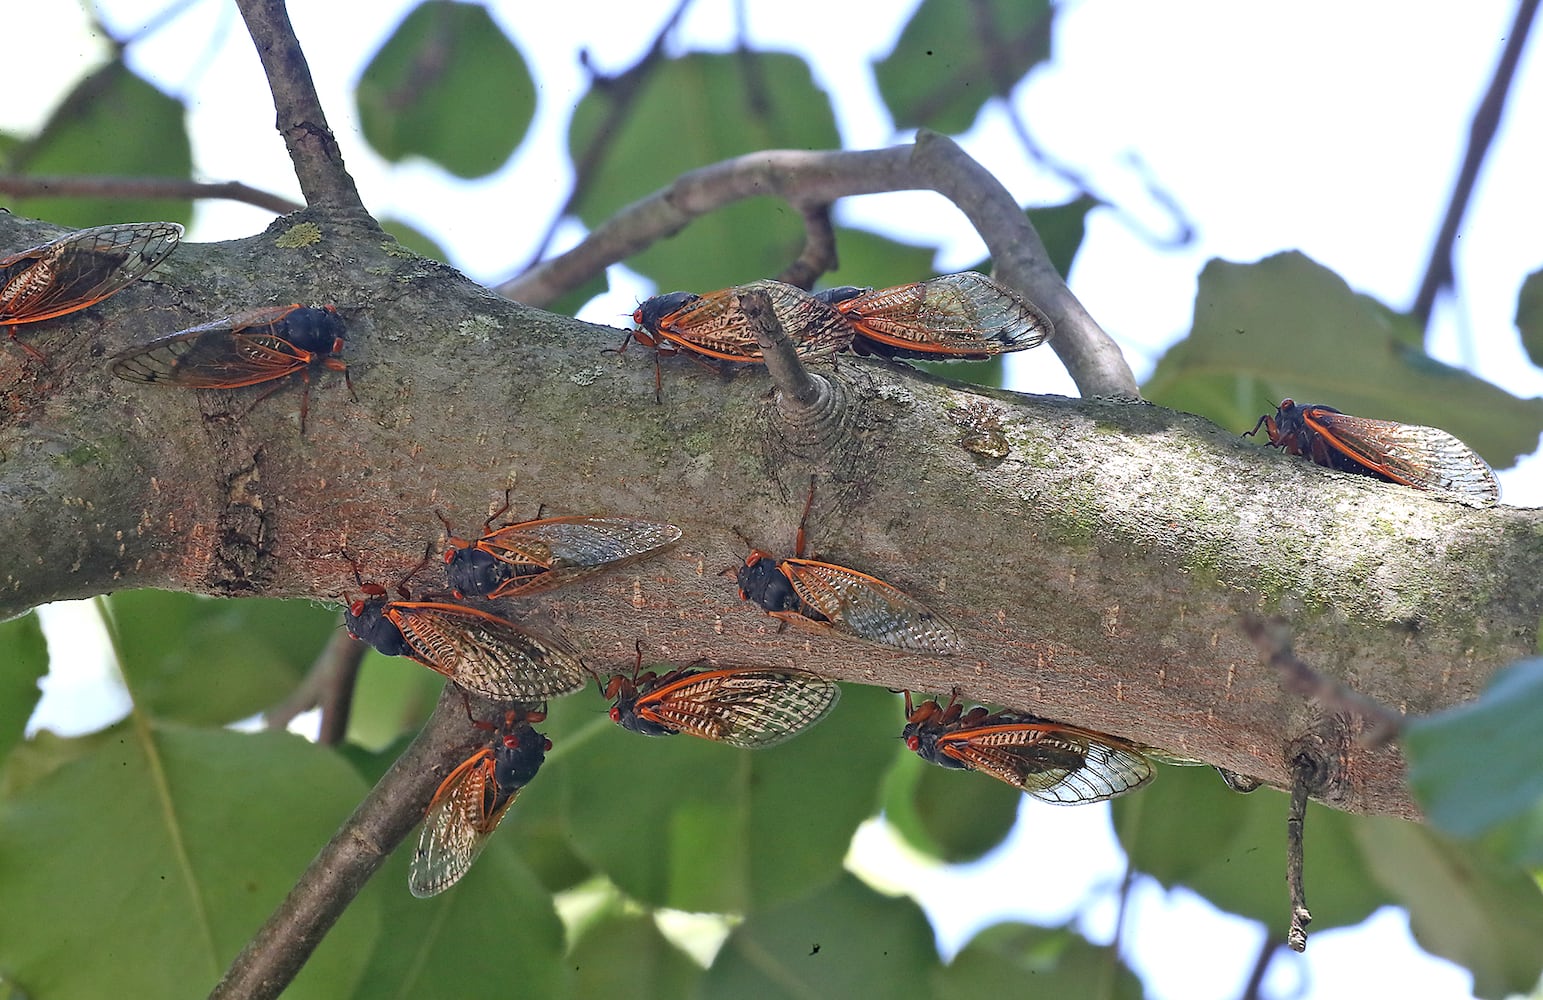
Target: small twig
<point>1251,990</point>
<point>1273,639</point>
<point>1296,937</point>
<point>329,884</point>
<point>819,253</point>
<point>933,162</point>
<point>56,186</point>
<point>313,149</point>
<point>1481,133</point>
<point>329,684</point>
<point>787,371</point>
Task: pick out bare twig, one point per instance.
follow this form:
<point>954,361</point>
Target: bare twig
<point>1273,639</point>
<point>1252,990</point>
<point>329,684</point>
<point>819,253</point>
<point>1296,937</point>
<point>932,163</point>
<point>313,149</point>
<point>787,371</point>
<point>1481,133</point>
<point>141,187</point>
<point>277,952</point>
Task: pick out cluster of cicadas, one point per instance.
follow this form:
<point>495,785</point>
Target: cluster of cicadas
<point>954,316</point>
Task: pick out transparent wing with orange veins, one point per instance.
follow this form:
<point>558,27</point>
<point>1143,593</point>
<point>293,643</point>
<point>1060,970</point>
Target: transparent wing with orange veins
<point>1051,761</point>
<point>486,653</point>
<point>965,313</point>
<point>227,353</point>
<point>465,812</point>
<point>1424,457</point>
<point>742,706</point>
<point>714,324</point>
<point>574,547</point>
<point>81,269</point>
<point>869,608</point>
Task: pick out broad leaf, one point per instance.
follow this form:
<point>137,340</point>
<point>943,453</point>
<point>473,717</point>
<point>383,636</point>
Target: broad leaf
<point>1287,326</point>
<point>412,238</point>
<point>112,123</point>
<point>690,113</point>
<point>682,822</point>
<point>951,815</point>
<point>626,956</point>
<point>844,941</point>
<point>449,86</point>
<point>1022,960</point>
<point>1529,316</point>
<point>950,59</point>
<point>141,868</point>
<point>23,662</point>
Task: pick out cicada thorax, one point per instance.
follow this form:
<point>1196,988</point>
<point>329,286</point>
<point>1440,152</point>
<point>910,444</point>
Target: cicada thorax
<point>1410,454</point>
<point>1052,761</point>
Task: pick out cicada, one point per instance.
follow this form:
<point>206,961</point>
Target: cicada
<point>471,801</point>
<point>750,707</point>
<point>1426,458</point>
<point>713,324</point>
<point>79,270</point>
<point>953,316</point>
<point>518,560</point>
<point>1052,761</point>
<point>250,348</point>
<point>476,649</point>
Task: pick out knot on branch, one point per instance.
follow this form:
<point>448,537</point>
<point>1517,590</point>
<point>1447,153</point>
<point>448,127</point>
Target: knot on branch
<point>1320,758</point>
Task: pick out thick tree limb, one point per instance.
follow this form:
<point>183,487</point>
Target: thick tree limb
<point>933,163</point>
<point>140,187</point>
<point>301,121</point>
<point>1097,572</point>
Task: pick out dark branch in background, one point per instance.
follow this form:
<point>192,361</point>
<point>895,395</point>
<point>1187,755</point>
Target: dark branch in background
<point>313,149</point>
<point>329,685</point>
<point>394,806</point>
<point>142,187</point>
<point>932,163</point>
<point>1481,133</point>
<point>819,253</point>
<point>1255,985</point>
<point>623,90</point>
<point>1296,937</point>
<point>1273,638</point>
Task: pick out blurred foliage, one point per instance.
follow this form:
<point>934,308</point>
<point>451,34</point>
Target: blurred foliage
<point>112,124</point>
<point>1529,316</point>
<point>179,836</point>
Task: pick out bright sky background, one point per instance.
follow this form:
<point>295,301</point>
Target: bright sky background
<point>1331,128</point>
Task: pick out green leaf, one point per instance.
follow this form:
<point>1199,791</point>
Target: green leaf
<point>1462,906</point>
<point>449,86</point>
<point>686,823</point>
<point>947,814</point>
<point>141,868</point>
<point>871,260</point>
<point>1061,228</point>
<point>1022,960</point>
<point>1529,316</point>
<point>571,301</point>
<point>690,113</point>
<point>1475,766</point>
<point>392,696</point>
<point>1187,828</point>
<point>950,59</point>
<point>844,941</point>
<point>112,123</point>
<point>23,662</point>
<point>1287,326</point>
<point>413,239</point>
<point>626,956</point>
<point>215,661</point>
<point>496,926</point>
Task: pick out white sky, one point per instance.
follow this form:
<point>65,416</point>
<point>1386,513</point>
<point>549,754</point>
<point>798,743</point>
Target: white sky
<point>1331,128</point>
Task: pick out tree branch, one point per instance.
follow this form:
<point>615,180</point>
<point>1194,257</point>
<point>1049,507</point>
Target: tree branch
<point>933,163</point>
<point>140,187</point>
<point>1481,133</point>
<point>313,149</point>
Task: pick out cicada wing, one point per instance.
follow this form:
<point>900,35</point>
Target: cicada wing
<point>1057,763</point>
<point>81,269</point>
<point>227,353</point>
<point>488,654</point>
<point>570,548</point>
<point>869,608</point>
<point>963,314</point>
<point>464,813</point>
<point>745,707</point>
<point>1424,457</point>
<point>714,324</point>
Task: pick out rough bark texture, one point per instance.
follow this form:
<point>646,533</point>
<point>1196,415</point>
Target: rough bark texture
<point>1097,572</point>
